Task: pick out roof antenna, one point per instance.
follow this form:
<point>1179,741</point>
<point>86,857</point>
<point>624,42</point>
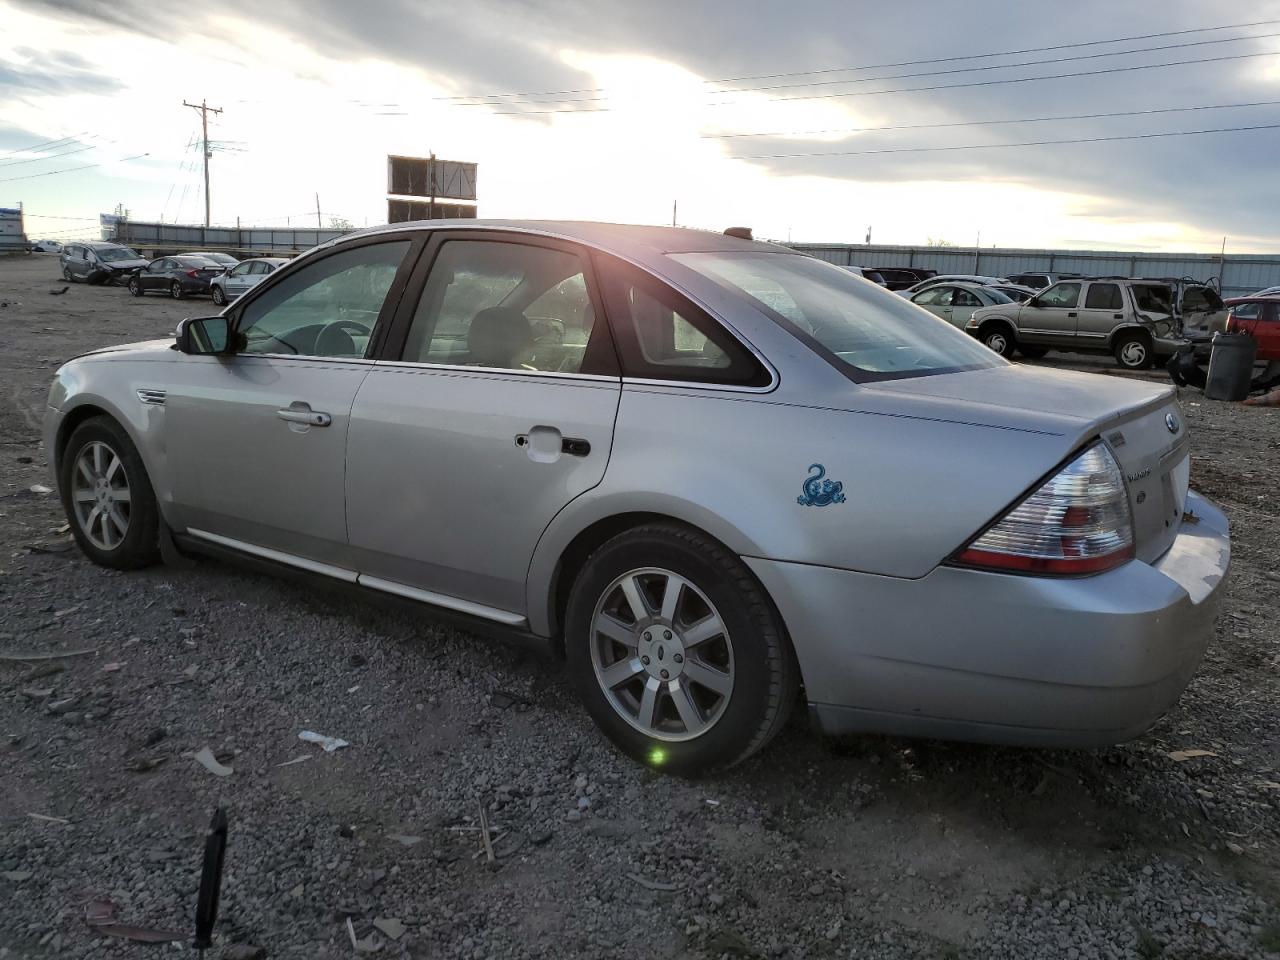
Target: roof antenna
<point>742,233</point>
<point>215,848</point>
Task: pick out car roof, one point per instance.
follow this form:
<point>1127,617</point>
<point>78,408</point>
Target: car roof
<point>98,244</point>
<point>1267,298</point>
<point>622,238</point>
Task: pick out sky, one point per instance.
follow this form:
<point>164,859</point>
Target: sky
<point>764,114</point>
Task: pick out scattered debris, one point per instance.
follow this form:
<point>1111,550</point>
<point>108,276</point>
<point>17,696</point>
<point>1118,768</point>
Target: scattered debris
<point>370,944</point>
<point>58,293</point>
<point>40,488</point>
<point>243,951</point>
<point>47,819</point>
<point>207,760</point>
<point>404,840</point>
<point>16,876</point>
<point>1183,755</point>
<point>330,744</point>
<point>302,759</point>
<point>390,927</point>
<point>36,693</point>
<point>146,764</point>
<point>484,834</point>
<point>652,884</point>
<point>503,700</point>
<point>47,655</point>
<point>59,614</point>
<point>112,667</point>
<point>100,916</point>
<point>711,803</point>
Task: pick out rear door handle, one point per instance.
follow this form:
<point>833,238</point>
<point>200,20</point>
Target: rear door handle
<point>308,417</point>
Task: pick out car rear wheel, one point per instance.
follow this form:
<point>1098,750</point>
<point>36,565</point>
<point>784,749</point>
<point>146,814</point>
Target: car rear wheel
<point>219,297</point>
<point>135,286</point>
<point>997,337</point>
<point>1133,351</point>
<point>107,496</point>
<point>175,290</point>
<point>677,652</point>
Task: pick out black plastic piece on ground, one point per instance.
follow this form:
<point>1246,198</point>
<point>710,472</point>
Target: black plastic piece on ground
<point>215,848</point>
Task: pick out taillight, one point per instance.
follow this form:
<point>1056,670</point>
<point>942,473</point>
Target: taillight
<point>193,273</point>
<point>1077,522</point>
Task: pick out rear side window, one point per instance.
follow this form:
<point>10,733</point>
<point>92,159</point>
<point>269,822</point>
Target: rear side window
<point>661,335</point>
<point>1201,298</point>
<point>1103,296</point>
<point>963,298</point>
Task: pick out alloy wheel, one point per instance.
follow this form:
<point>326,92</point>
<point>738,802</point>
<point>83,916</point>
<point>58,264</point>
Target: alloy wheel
<point>100,495</point>
<point>997,342</point>
<point>662,654</point>
<point>1133,354</point>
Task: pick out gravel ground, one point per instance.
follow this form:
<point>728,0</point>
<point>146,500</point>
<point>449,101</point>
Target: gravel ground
<point>868,847</point>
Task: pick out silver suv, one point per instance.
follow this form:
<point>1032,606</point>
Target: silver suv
<point>1131,319</point>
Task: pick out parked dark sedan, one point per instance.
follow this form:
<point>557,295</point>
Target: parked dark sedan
<point>177,276</point>
<point>899,278</point>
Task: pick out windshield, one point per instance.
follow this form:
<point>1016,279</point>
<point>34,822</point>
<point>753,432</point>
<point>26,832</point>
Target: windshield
<point>109,254</point>
<point>870,333</point>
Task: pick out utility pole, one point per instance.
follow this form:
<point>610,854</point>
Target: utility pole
<point>318,225</point>
<point>205,110</point>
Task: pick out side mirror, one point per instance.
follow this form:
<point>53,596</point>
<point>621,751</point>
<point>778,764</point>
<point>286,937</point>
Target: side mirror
<point>203,335</point>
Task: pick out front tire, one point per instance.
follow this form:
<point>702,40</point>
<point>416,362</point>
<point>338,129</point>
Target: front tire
<point>107,496</point>
<point>219,298</point>
<point>1133,351</point>
<point>67,275</point>
<point>998,337</point>
<point>677,652</point>
<point>175,290</point>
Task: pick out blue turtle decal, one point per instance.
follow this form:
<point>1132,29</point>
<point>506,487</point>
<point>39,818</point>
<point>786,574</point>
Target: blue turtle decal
<point>819,492</point>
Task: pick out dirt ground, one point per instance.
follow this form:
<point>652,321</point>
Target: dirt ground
<point>867,847</point>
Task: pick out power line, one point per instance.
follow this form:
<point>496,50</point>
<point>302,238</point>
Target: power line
<point>87,166</point>
<point>44,143</point>
<point>984,123</point>
<point>994,146</point>
<point>900,63</point>
<point>934,87</point>
<point>925,73</point>
<point>52,156</point>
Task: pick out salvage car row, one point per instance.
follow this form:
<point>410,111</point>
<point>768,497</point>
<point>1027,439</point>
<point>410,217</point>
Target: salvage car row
<point>201,273</point>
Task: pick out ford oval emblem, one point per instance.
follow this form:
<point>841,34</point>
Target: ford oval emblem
<point>1171,422</point>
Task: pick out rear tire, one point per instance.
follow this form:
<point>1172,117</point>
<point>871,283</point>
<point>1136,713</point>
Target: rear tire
<point>135,286</point>
<point>107,496</point>
<point>732,676</point>
<point>999,338</point>
<point>175,290</point>
<point>1133,351</point>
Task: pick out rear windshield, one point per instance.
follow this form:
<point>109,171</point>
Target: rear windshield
<point>868,332</point>
<point>108,254</point>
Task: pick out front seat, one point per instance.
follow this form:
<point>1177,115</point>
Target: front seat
<point>497,336</point>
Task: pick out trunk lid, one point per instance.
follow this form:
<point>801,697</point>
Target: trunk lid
<point>1141,424</point>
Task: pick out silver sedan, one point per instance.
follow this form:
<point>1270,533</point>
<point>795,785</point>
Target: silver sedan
<point>718,476</point>
<point>956,302</point>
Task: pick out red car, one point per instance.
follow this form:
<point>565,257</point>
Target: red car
<point>1260,317</point>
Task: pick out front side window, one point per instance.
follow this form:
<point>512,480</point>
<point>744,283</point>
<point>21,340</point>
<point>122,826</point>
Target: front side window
<point>1103,296</point>
<point>241,270</point>
<point>326,309</point>
<point>1060,295</point>
<point>1153,298</point>
<point>503,305</point>
<point>868,332</point>
<point>934,297</point>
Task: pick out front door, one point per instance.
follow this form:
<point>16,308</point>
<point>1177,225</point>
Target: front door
<point>257,441</point>
<point>494,410</point>
<point>1051,316</point>
<point>236,282</point>
<point>155,275</point>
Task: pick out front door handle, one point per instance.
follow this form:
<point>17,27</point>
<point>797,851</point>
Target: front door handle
<point>1071,313</point>
<point>307,417</point>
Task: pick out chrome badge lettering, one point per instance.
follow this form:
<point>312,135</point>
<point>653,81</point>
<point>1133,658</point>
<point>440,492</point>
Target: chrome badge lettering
<point>819,492</point>
<point>1140,475</point>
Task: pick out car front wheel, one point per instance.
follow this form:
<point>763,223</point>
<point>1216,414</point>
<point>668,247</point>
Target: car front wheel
<point>219,297</point>
<point>107,496</point>
<point>67,275</point>
<point>996,336</point>
<point>676,651</point>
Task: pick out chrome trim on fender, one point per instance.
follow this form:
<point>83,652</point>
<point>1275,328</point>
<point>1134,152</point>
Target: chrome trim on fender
<point>441,600</point>
<point>338,573</point>
<point>151,396</point>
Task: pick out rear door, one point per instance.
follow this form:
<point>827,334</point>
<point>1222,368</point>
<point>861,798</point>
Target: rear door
<point>493,408</point>
<point>1051,316</point>
<point>1100,313</point>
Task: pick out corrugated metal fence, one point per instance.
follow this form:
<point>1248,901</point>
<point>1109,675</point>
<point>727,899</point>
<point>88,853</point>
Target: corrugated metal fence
<point>1237,274</point>
<point>166,236</point>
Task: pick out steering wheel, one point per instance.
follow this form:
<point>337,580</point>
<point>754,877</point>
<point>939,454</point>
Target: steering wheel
<point>336,339</point>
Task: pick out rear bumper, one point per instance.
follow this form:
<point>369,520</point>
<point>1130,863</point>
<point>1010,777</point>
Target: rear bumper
<point>968,655</point>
